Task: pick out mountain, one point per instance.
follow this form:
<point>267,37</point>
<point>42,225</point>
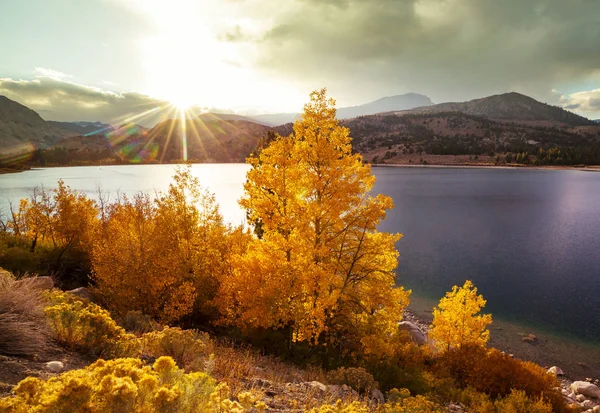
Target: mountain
<point>83,128</point>
<point>597,120</point>
<point>513,107</point>
<point>214,140</point>
<point>386,104</point>
<point>22,129</point>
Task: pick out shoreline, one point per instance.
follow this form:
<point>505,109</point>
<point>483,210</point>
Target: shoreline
<point>579,360</point>
<point>586,168</point>
<point>582,168</point>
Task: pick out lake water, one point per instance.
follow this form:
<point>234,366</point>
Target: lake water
<point>529,239</point>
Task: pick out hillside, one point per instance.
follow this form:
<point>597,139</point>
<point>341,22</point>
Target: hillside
<point>390,138</point>
<point>216,140</point>
<point>513,107</point>
<point>83,128</point>
<point>386,104</point>
<point>22,129</point>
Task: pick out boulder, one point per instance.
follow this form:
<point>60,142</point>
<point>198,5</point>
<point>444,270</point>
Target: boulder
<point>39,283</point>
<point>318,385</point>
<point>596,409</point>
<point>587,404</point>
<point>580,398</point>
<point>84,293</point>
<point>557,371</point>
<point>377,395</point>
<point>55,366</point>
<point>414,332</point>
<point>585,388</point>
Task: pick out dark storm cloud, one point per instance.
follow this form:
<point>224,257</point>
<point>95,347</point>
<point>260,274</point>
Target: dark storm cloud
<point>448,49</point>
<point>56,99</point>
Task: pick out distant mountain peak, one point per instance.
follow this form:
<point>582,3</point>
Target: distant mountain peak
<point>385,104</point>
<point>511,106</point>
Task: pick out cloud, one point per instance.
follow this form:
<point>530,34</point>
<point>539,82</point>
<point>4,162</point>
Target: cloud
<point>56,99</point>
<point>587,102</point>
<point>448,49</point>
<point>51,73</point>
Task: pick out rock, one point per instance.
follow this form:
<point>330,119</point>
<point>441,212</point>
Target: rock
<point>531,339</point>
<point>587,404</point>
<point>580,398</point>
<point>318,385</point>
<point>414,331</point>
<point>39,283</point>
<point>84,293</point>
<point>55,366</point>
<point>342,391</point>
<point>585,388</point>
<point>377,395</point>
<point>455,408</point>
<point>557,371</point>
<point>596,409</point>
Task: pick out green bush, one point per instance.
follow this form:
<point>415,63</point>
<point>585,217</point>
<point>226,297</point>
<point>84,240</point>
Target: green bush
<point>356,377</point>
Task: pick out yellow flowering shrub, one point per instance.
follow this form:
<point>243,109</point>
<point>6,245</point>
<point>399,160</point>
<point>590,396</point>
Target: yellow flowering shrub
<point>87,327</point>
<point>400,401</point>
<point>186,347</point>
<point>339,407</point>
<point>121,385</point>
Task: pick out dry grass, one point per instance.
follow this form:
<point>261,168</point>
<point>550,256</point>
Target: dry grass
<point>23,327</point>
<point>282,386</point>
<point>236,365</point>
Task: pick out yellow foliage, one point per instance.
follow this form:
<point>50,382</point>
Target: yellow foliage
<point>61,218</point>
<point>318,267</point>
<point>517,402</point>
<point>116,386</point>
<point>87,327</point>
<point>186,347</point>
<point>456,319</point>
<point>161,257</point>
<point>339,407</point>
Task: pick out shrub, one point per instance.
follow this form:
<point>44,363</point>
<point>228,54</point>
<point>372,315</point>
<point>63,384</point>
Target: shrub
<point>22,324</point>
<point>139,323</point>
<point>86,327</point>
<point>404,369</point>
<point>400,401</point>
<point>517,402</point>
<point>186,347</point>
<point>497,374</point>
<point>121,385</point>
<point>339,407</point>
<point>456,319</point>
<point>357,378</point>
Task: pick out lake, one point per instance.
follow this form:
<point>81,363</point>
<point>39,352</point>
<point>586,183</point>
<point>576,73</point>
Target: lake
<point>529,239</point>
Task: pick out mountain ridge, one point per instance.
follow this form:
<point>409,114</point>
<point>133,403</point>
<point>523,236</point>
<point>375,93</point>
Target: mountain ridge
<point>385,104</point>
<point>511,106</point>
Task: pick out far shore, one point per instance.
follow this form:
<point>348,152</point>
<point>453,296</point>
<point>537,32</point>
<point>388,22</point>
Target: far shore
<point>589,168</point>
<point>586,168</point>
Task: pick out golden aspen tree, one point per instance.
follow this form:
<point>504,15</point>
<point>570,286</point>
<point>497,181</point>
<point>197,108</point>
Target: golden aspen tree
<point>319,268</point>
<point>75,219</point>
<point>161,256</point>
<point>456,319</point>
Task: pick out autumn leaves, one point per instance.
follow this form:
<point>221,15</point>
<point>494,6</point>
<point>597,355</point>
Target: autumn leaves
<point>313,264</point>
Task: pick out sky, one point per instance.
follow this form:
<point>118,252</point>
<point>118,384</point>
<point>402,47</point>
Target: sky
<point>110,59</point>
